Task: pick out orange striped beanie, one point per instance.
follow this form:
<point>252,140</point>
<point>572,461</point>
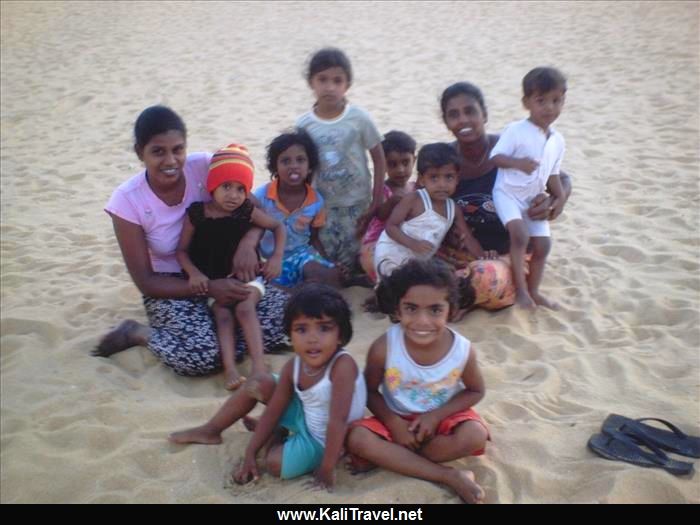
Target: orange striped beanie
<point>231,164</point>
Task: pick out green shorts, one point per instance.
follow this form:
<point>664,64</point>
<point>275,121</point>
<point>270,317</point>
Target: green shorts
<point>301,452</point>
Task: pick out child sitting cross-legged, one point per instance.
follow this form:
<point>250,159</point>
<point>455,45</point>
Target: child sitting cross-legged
<point>429,379</point>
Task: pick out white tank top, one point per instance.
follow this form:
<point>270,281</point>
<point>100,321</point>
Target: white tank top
<point>410,388</point>
<point>317,399</point>
<point>428,226</point>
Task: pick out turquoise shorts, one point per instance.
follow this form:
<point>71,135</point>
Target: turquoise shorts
<point>301,453</point>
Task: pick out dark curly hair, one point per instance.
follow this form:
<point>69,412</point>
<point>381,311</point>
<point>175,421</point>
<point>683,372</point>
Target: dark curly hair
<point>316,300</point>
<point>416,272</point>
<point>283,142</point>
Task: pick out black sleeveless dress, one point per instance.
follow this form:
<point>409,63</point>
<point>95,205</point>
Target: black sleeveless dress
<point>215,239</point>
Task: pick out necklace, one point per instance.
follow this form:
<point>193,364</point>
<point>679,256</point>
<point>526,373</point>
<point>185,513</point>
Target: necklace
<point>308,372</point>
<point>478,163</point>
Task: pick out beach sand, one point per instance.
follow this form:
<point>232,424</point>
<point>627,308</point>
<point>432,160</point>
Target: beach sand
<point>625,261</point>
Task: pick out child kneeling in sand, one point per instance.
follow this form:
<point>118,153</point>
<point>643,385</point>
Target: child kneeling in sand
<point>430,380</point>
<point>319,391</point>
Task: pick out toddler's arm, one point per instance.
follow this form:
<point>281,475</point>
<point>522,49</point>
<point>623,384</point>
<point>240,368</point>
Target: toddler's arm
<point>388,206</point>
<point>409,206</point>
<point>526,164</point>
<point>245,260</point>
<point>273,266</point>
<point>343,378</point>
<point>199,283</point>
<point>379,164</point>
<point>503,152</point>
<point>273,412</point>
<point>555,188</point>
<point>468,241</point>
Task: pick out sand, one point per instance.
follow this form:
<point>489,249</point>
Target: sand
<point>625,262</point>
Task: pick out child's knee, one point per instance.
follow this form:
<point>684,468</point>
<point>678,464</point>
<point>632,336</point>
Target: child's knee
<point>472,437</point>
<point>357,440</point>
<point>260,387</point>
<point>246,309</point>
<point>519,236</point>
<point>222,314</point>
<point>541,247</point>
<point>273,461</point>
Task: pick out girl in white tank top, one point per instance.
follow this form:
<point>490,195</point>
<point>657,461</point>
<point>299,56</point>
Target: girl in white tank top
<point>423,379</point>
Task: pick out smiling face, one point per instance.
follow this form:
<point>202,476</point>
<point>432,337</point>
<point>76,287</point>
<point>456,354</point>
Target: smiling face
<point>229,195</point>
<point>545,108</point>
<point>423,313</point>
<point>315,340</point>
<point>465,118</point>
<point>293,166</point>
<point>164,157</point>
<point>330,86</point>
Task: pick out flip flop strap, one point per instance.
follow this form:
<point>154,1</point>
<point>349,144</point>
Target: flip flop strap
<point>673,427</point>
<point>658,457</point>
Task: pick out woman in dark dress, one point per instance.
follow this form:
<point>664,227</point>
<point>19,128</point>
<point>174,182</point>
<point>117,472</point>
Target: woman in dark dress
<point>464,114</point>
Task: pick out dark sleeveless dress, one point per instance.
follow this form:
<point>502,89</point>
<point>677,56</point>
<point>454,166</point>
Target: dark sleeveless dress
<point>475,198</point>
<point>215,239</point>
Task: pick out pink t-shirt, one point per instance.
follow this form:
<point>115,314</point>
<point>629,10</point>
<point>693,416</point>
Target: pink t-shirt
<point>376,227</point>
<point>135,202</point>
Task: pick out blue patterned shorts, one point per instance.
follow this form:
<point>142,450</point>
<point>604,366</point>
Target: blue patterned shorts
<point>294,262</point>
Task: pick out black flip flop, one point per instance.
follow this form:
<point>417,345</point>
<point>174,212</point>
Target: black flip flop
<point>617,446</point>
<point>674,441</point>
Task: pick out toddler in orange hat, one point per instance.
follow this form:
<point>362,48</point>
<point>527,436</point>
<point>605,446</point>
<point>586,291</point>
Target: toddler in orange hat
<point>210,235</point>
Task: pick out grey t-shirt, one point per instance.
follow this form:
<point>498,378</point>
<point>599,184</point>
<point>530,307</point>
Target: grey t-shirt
<point>344,178</point>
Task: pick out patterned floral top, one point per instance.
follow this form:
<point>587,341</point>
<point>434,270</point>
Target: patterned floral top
<point>410,388</point>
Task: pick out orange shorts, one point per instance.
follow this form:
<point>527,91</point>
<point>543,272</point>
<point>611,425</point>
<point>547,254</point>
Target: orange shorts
<point>445,427</point>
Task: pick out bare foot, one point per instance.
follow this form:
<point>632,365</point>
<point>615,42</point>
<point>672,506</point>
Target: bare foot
<point>124,336</point>
<point>201,435</point>
<point>357,465</point>
<point>463,483</point>
<point>523,300</point>
<point>543,301</point>
<point>233,381</point>
<point>250,423</point>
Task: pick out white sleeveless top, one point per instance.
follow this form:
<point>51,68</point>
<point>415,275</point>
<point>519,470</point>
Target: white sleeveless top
<point>317,399</point>
<point>410,388</point>
<point>428,226</point>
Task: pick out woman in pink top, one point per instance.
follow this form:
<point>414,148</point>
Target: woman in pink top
<point>147,213</point>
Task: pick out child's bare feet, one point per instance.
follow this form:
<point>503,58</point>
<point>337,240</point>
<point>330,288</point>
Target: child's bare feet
<point>201,435</point>
<point>357,465</point>
<point>524,300</point>
<point>233,380</point>
<point>462,482</point>
<point>129,333</point>
<point>540,300</point>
